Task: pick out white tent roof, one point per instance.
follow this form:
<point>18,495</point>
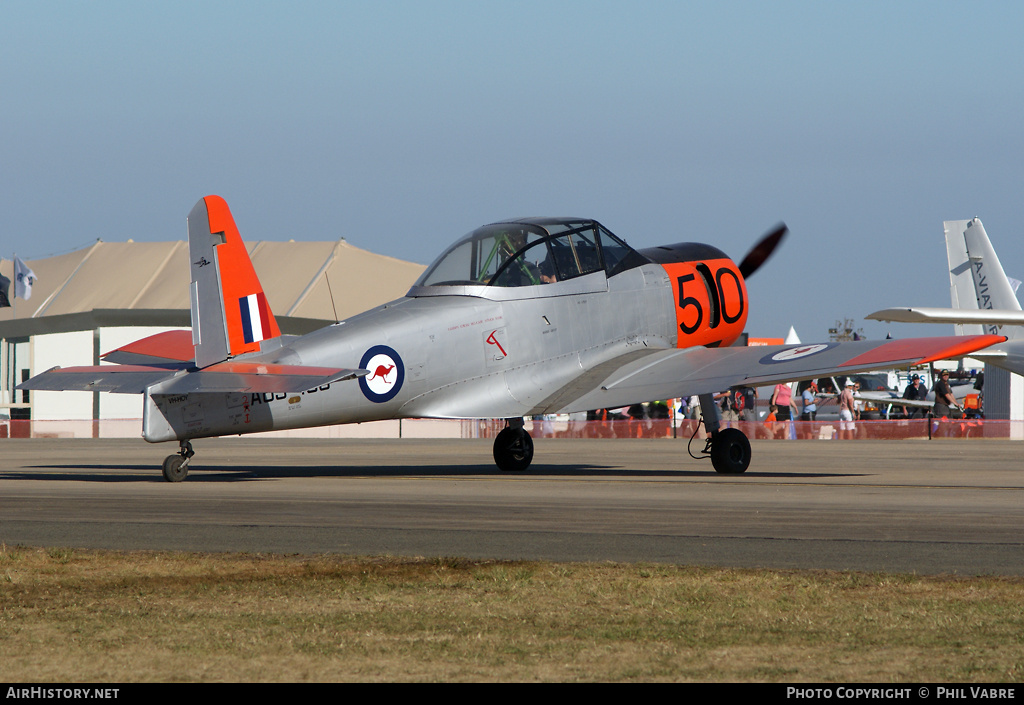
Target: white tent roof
<point>136,276</point>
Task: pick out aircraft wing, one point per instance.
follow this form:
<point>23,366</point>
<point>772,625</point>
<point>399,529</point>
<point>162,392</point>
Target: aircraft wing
<point>999,317</point>
<point>222,377</point>
<point>881,399</point>
<point>885,398</point>
<point>668,374</point>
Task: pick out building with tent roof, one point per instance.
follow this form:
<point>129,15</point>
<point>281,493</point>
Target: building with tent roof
<point>93,300</point>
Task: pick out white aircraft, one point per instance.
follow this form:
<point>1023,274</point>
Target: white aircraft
<point>982,296</point>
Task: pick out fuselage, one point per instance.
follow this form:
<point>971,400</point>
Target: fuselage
<point>470,350</point>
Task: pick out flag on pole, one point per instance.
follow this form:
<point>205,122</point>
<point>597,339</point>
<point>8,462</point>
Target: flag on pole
<point>5,288</point>
<point>24,278</point>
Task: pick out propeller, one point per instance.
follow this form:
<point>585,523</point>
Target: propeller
<point>762,250</point>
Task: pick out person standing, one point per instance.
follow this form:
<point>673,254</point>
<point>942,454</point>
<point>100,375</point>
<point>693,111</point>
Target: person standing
<point>745,399</point>
<point>945,402</point>
<point>847,413</point>
<point>809,402</point>
<point>782,398</point>
<point>915,391</point>
<point>809,409</point>
<point>728,407</point>
<point>746,403</point>
<point>858,402</point>
<point>774,427</point>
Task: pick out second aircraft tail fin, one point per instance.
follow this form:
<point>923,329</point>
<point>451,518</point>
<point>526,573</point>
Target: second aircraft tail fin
<point>976,277</point>
<point>230,313</point>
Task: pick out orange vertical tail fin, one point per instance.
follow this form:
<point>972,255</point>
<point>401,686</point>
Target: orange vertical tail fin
<point>230,313</point>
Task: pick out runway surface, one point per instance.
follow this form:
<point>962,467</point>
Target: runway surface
<point>940,506</point>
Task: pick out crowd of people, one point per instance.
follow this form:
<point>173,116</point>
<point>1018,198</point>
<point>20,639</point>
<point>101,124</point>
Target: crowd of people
<point>744,408</point>
<point>740,404</point>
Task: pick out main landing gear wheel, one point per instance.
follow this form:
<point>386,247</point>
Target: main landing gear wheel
<point>730,451</point>
<point>176,466</point>
<point>513,450</point>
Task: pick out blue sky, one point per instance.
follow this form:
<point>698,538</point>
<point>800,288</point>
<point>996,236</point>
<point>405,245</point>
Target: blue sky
<point>402,125</point>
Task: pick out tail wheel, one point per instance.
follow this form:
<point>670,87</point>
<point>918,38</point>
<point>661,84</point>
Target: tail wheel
<point>730,451</point>
<point>513,450</point>
<point>175,468</point>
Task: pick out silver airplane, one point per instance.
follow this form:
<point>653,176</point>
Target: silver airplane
<point>517,318</point>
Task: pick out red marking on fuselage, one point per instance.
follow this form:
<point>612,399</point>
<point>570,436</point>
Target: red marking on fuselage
<point>494,341</point>
<point>381,372</point>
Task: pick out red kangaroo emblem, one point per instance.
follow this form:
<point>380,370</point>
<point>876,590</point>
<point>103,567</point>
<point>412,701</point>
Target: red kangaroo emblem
<point>381,372</point>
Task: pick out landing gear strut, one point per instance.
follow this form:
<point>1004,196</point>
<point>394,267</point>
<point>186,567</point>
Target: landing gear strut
<point>513,447</point>
<point>176,466</point>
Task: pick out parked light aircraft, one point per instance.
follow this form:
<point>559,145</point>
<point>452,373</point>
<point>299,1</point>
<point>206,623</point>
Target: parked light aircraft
<point>887,400</point>
<point>517,318</point>
<point>982,297</point>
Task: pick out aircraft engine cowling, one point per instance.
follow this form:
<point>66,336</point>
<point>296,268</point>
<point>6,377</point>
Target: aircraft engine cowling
<point>709,293</point>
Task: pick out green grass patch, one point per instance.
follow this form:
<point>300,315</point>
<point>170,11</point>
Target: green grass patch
<point>78,616</point>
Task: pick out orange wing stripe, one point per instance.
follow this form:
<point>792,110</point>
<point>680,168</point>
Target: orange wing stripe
<point>923,350</point>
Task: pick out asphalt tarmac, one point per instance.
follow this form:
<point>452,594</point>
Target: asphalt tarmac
<point>919,506</point>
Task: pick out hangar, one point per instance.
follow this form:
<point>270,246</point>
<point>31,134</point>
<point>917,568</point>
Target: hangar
<point>92,300</point>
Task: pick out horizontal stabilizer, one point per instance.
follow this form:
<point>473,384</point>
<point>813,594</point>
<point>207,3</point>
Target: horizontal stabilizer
<point>233,376</point>
<point>999,317</point>
<point>171,349</point>
<point>122,379</point>
<point>223,377</point>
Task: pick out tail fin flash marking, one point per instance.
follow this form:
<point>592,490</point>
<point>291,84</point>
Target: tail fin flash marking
<point>255,318</point>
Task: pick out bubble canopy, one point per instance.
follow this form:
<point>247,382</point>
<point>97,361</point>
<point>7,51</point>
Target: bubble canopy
<point>529,252</point>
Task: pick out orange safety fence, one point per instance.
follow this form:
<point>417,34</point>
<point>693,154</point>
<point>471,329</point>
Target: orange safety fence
<point>561,428</point>
<point>780,430</point>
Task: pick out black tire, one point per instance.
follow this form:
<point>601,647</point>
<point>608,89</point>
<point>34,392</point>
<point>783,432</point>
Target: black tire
<point>513,450</point>
<point>175,469</point>
<point>730,451</point>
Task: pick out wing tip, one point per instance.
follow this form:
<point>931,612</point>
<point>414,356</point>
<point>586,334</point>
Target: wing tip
<point>963,346</point>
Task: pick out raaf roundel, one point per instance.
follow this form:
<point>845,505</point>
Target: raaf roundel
<point>385,374</point>
<point>517,318</point>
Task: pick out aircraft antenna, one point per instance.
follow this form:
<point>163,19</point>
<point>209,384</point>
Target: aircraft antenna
<point>331,292</point>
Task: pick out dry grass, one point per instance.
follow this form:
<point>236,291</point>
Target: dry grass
<point>80,616</point>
